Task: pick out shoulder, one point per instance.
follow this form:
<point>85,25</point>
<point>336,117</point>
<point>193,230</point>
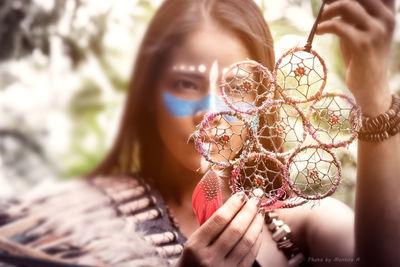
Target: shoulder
<point>325,229</point>
<point>89,221</point>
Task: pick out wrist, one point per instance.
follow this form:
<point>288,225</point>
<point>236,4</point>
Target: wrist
<point>383,126</point>
<point>374,104</point>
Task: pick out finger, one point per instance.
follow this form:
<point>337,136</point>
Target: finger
<point>350,11</point>
<point>376,6</point>
<point>354,13</point>
<point>212,228</point>
<point>248,240</point>
<point>390,4</point>
<point>350,35</point>
<point>249,259</point>
<point>383,12</point>
<point>237,228</point>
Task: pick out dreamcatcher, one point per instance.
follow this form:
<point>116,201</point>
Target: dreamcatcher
<point>264,147</point>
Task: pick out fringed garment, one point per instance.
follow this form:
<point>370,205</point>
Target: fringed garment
<point>105,221</point>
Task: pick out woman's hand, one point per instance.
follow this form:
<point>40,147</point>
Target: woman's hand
<point>365,29</point>
<point>231,237</point>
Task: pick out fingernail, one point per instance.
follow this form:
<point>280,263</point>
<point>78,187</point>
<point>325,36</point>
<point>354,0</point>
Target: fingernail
<point>255,201</point>
<point>241,196</point>
<point>261,212</point>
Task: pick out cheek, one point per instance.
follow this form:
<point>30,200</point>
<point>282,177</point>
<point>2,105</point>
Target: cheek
<point>175,128</point>
<point>177,107</point>
<point>170,122</point>
<point>174,132</point>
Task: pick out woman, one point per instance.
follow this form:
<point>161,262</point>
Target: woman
<point>185,40</point>
<point>193,38</point>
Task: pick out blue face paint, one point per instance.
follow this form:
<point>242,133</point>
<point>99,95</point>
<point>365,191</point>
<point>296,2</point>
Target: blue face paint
<point>182,108</point>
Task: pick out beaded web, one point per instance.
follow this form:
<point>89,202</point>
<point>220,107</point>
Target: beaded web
<point>222,137</point>
<point>279,138</point>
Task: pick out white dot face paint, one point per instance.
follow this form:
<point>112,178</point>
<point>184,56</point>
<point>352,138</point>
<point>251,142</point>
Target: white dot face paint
<point>192,68</point>
<point>192,92</point>
<point>202,68</point>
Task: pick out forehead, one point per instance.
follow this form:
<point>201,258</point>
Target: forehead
<point>209,43</point>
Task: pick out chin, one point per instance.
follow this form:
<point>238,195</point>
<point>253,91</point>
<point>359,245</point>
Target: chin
<point>194,162</point>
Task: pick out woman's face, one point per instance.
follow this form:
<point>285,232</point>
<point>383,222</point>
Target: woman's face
<point>188,88</point>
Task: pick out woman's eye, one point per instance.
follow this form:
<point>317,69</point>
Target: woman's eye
<point>184,85</point>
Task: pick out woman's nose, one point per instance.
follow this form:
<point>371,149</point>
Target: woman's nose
<point>211,103</point>
<point>203,107</point>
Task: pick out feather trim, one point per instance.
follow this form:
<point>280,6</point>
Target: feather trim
<point>207,197</point>
<point>80,223</point>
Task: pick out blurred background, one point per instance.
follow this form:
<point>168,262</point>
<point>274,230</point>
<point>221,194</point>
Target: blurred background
<point>65,67</point>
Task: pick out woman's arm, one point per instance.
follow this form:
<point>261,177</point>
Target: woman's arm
<point>365,29</point>
<point>377,220</point>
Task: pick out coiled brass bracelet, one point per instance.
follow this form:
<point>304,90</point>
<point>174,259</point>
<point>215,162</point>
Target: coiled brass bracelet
<point>382,126</point>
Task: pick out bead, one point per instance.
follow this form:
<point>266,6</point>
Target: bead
<point>375,122</point>
<point>281,232</point>
<point>161,238</point>
<point>380,119</point>
<point>300,71</point>
<point>285,244</point>
<point>246,86</point>
<point>393,131</point>
<point>258,192</point>
<point>270,216</point>
<point>224,139</point>
<point>386,117</point>
<point>334,119</point>
<point>275,224</point>
<point>370,128</point>
<point>391,113</point>
<point>384,125</point>
<point>282,236</point>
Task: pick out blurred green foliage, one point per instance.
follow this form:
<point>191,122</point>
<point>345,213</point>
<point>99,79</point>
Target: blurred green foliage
<point>84,108</point>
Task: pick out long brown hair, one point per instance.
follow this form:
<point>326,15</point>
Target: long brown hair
<point>137,146</point>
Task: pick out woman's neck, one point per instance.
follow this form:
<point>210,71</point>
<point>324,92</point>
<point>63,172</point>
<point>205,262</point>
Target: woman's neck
<point>175,182</point>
